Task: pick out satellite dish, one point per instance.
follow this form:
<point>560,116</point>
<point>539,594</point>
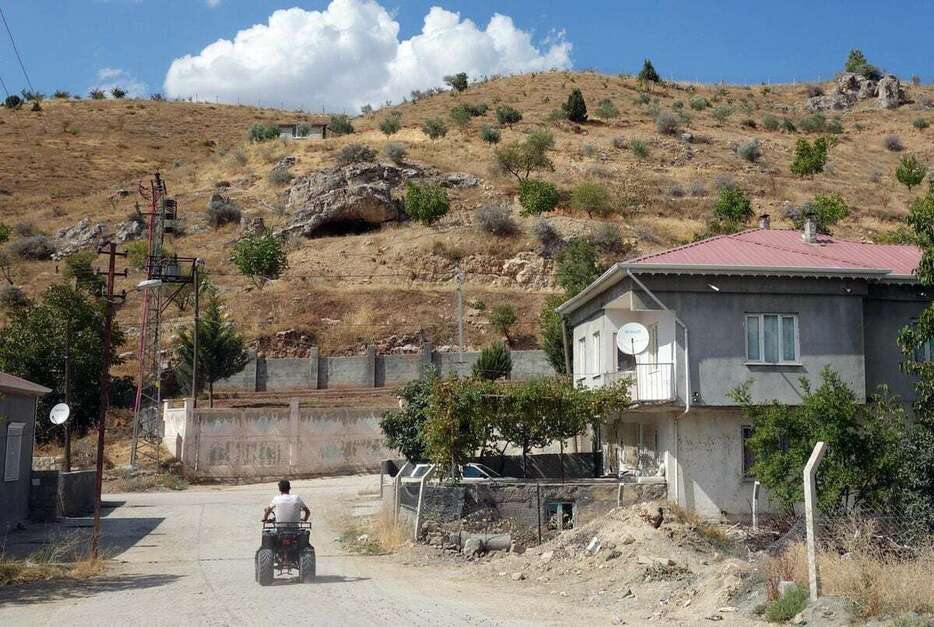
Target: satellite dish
<point>632,338</point>
<point>59,414</point>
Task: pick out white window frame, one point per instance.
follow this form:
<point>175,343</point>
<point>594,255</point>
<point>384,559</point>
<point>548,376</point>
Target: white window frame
<point>582,357</point>
<point>781,322</point>
<point>597,366</point>
<point>13,457</point>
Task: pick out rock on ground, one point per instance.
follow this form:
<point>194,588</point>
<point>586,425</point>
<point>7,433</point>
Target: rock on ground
<point>81,235</point>
<point>851,88</point>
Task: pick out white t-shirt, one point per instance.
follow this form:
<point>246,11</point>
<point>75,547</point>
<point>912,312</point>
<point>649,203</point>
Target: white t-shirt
<point>287,507</point>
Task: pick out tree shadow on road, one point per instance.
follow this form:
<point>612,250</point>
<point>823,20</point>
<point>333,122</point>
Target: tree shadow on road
<point>59,589</point>
<point>319,579</point>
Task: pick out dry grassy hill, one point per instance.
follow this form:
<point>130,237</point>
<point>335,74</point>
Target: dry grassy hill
<point>65,163</point>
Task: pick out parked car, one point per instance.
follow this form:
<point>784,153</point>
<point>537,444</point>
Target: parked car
<point>480,472</point>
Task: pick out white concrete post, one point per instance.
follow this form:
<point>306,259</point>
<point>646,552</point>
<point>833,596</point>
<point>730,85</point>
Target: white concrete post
<point>810,512</point>
<point>396,487</point>
<point>755,506</point>
<point>421,496</point>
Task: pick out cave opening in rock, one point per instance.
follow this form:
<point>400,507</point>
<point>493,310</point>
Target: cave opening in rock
<point>337,228</point>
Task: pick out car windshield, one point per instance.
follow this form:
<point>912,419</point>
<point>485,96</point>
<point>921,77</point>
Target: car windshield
<point>489,472</point>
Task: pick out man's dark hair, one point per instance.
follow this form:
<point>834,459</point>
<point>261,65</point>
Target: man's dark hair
<point>285,486</point>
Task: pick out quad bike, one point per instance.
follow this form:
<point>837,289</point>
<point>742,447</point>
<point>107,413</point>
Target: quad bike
<point>285,547</point>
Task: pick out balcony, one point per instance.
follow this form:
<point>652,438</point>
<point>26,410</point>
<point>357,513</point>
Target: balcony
<point>648,383</point>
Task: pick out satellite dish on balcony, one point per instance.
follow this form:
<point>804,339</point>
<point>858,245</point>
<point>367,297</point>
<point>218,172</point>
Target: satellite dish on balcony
<point>632,338</point>
<point>59,414</point>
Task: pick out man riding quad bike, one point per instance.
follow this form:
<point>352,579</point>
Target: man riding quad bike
<point>285,540</point>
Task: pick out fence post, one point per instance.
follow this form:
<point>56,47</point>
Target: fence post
<point>755,506</point>
<point>421,496</point>
<point>810,511</point>
<point>396,488</point>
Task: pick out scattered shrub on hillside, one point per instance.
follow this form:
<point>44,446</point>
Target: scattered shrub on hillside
<point>476,109</point>
<point>749,150</point>
<point>674,190</point>
<point>732,206</point>
<point>812,91</point>
<point>457,82</point>
<point>508,115</point>
<point>136,253</point>
<point>495,218</point>
<point>893,143</point>
<point>591,198</point>
<point>355,153</point>
<point>770,122</point>
<point>434,128</point>
<point>642,99</point>
<point>607,110</point>
<point>280,176</point>
<point>667,123</point>
<point>537,197</point>
<point>97,94</point>
<point>809,158</point>
<point>5,231</point>
<point>588,150</point>
<point>677,105</point>
<point>699,103</point>
<point>222,210</point>
<point>648,74</point>
<point>748,123</point>
<point>340,125</point>
<point>619,143</point>
<point>721,113</point>
<point>13,102</point>
<point>366,109</point>
<point>826,209</point>
<point>426,203</point>
<point>549,240</point>
<point>910,171</point>
<point>118,93</point>
<point>32,96</point>
<point>920,123</point>
<point>155,96</point>
<point>391,124</point>
<point>814,123</point>
<point>786,607</point>
<point>260,257</point>
<point>521,158</point>
<point>33,248</point>
<point>788,126</point>
<point>609,239</point>
<point>395,152</point>
<point>639,147</point>
<point>25,229</point>
<point>61,94</point>
<point>460,117</point>
<point>697,189</point>
<point>502,317</point>
<point>724,181</point>
<point>835,126</point>
<point>260,132</point>
<point>12,297</point>
<point>490,134</point>
<point>575,107</point>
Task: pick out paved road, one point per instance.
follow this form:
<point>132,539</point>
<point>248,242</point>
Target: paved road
<point>187,558</point>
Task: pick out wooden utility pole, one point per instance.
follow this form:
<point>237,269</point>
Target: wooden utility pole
<point>194,337</point>
<point>104,382</point>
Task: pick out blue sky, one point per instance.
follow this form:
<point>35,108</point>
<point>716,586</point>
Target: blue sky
<point>67,43</point>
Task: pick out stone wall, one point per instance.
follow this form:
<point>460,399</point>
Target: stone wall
<point>55,494</point>
<point>367,371</point>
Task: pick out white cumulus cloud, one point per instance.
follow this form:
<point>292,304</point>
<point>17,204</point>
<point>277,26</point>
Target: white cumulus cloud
<point>350,54</point>
<point>109,77</point>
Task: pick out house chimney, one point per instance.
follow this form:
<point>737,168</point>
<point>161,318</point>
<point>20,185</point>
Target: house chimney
<point>810,229</point>
<point>765,222</point>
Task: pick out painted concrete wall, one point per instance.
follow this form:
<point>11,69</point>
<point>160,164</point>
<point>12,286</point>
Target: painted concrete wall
<point>14,495</point>
<point>886,311</point>
<point>260,443</point>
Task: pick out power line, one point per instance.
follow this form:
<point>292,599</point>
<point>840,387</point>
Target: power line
<point>18,57</point>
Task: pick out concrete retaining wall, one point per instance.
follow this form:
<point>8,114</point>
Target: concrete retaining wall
<point>54,494</point>
<point>367,371</point>
<point>263,443</point>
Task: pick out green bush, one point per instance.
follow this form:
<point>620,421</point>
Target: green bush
<point>856,62</point>
<point>788,126</point>
<point>502,317</point>
<point>97,94</point>
<point>340,125</point>
<point>910,171</point>
<point>577,265</point>
<point>33,248</point>
<point>920,123</point>
<point>814,123</point>
<point>493,363</point>
<point>13,102</point>
<point>5,231</point>
<point>537,197</point>
<point>786,607</point>
<point>721,113</point>
<point>391,124</point>
<point>260,132</point>
<point>118,93</point>
<point>592,198</point>
<point>461,116</point>
<point>490,134</point>
<point>395,152</point>
<point>667,123</point>
<point>434,128</point>
<point>495,219</point>
<point>699,103</point>
<point>749,150</point>
<point>809,158</point>
<point>639,147</point>
<point>426,203</point>
<point>136,253</point>
<point>476,109</point>
<point>261,257</point>
<point>607,110</point>
<point>575,107</point>
<point>770,122</point>
<point>508,115</point>
<point>648,74</point>
<point>732,206</point>
<point>222,210</point>
<point>458,81</point>
<point>355,153</point>
<point>835,126</point>
<point>826,209</point>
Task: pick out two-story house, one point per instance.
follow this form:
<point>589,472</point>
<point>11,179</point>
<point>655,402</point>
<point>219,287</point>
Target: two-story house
<point>688,325</point>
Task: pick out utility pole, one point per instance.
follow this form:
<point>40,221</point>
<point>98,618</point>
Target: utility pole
<point>111,251</point>
<point>194,336</point>
<point>459,275</point>
<point>68,392</point>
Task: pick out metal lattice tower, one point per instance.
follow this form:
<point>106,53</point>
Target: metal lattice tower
<point>166,276</point>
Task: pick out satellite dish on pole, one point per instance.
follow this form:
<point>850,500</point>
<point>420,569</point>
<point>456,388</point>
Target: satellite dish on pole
<point>59,414</point>
<point>632,338</point>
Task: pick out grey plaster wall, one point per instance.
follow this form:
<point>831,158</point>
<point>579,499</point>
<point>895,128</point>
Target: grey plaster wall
<point>337,372</point>
<point>14,495</point>
<point>886,311</point>
<point>398,369</point>
<point>289,374</point>
<point>76,492</point>
<point>243,380</point>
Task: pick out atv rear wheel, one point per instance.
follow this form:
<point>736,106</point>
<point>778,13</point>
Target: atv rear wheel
<point>264,567</point>
<point>306,565</point>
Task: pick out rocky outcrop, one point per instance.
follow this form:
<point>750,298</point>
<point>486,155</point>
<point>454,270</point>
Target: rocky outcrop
<point>132,229</point>
<point>84,234</point>
<point>851,88</point>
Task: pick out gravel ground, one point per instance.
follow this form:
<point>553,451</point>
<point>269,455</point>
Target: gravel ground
<point>186,558</point>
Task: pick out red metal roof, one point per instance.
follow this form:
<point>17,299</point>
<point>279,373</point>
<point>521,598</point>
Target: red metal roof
<point>9,383</point>
<point>768,248</point>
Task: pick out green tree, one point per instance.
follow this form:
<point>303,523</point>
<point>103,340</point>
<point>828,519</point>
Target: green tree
<point>457,422</point>
<point>458,82</point>
<point>118,93</point>
<point>340,125</point>
<point>551,327</point>
<point>32,346</point>
<point>494,363</point>
<point>426,203</point>
<point>521,158</point>
<point>809,158</point>
<point>578,265</point>
<point>434,128</point>
<point>857,63</point>
<point>862,443</point>
<point>13,102</point>
<point>607,110</point>
<point>461,116</point>
<point>221,351</point>
<point>490,134</point>
<point>507,115</point>
<point>259,132</point>
<point>648,74</point>
<point>826,209</point>
<point>910,171</point>
<point>391,124</point>
<point>404,430</point>
<point>575,107</point>
<point>260,257</point>
<point>502,317</point>
<point>732,206</point>
<point>537,197</point>
<point>592,198</point>
<point>79,267</point>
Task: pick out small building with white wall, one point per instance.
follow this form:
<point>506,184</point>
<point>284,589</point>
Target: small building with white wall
<point>303,130</point>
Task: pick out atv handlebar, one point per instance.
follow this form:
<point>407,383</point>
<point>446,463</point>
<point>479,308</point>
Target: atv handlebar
<point>272,524</point>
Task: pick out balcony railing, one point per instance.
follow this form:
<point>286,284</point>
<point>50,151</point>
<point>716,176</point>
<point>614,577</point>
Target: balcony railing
<point>652,382</point>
